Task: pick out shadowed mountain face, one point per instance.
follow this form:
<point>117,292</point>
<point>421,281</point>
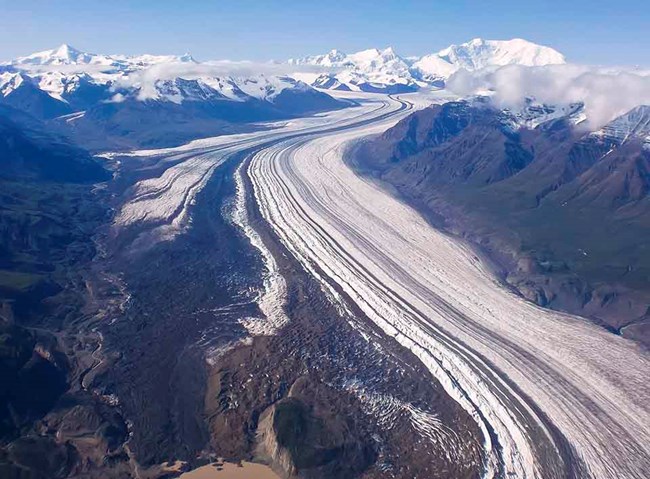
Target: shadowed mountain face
<point>156,123</point>
<point>561,210</point>
<point>29,152</point>
<point>27,97</point>
<point>45,208</point>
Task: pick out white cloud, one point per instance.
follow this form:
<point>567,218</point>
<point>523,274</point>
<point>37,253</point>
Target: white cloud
<point>606,93</point>
<point>117,98</point>
<point>146,78</point>
<point>168,71</point>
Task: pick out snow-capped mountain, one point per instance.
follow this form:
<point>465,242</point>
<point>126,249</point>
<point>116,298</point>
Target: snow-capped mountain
<point>534,114</point>
<point>384,70</point>
<point>480,53</point>
<point>63,55</point>
<point>9,82</point>
<point>334,58</point>
<point>67,55</point>
<point>77,79</point>
<point>268,88</point>
<point>369,70</point>
<point>208,89</point>
<point>123,101</point>
<point>66,73</point>
<point>22,92</point>
<point>65,81</point>
<point>80,78</point>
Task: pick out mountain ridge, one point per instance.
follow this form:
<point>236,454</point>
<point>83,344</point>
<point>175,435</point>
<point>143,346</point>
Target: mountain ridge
<point>372,70</point>
<point>124,102</point>
<point>66,54</point>
<point>376,67</point>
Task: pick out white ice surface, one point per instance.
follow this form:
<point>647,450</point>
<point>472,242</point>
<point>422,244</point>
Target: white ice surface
<point>434,296</point>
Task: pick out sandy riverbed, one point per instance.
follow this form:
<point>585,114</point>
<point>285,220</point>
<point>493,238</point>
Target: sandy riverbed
<point>226,470</point>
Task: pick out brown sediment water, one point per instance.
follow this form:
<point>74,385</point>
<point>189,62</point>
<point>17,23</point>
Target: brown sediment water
<point>227,470</point>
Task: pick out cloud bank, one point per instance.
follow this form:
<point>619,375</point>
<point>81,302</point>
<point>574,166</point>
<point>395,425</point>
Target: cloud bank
<point>606,93</point>
<point>221,68</point>
<point>146,78</point>
<point>175,69</point>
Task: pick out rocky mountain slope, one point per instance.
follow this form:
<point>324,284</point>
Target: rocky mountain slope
<point>561,209</point>
<point>29,151</point>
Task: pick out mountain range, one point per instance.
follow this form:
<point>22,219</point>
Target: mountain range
<point>67,55</point>
<point>107,101</point>
<point>509,177</point>
<point>385,71</point>
<point>121,361</point>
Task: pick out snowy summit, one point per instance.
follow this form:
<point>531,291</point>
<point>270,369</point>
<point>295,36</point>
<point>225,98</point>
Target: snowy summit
<point>374,69</point>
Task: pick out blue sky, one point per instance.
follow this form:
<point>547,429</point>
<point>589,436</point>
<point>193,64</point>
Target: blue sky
<point>594,32</point>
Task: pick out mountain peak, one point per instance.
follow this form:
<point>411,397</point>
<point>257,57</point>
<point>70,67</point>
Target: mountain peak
<point>474,42</point>
<point>385,67</point>
<point>68,54</point>
<point>389,52</point>
<point>9,82</point>
<point>374,54</point>
<point>187,58</point>
<point>480,53</point>
<point>65,50</point>
<point>336,55</point>
<point>62,55</point>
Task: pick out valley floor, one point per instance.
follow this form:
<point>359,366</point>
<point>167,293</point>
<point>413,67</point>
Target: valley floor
<point>260,338</point>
